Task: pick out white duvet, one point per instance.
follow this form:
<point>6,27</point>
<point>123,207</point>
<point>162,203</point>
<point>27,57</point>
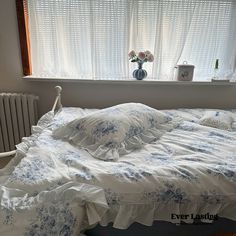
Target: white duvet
<point>54,188</point>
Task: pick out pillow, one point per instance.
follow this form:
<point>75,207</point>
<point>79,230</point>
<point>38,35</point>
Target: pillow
<point>108,133</point>
<point>217,119</point>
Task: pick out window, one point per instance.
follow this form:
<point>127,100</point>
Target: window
<point>90,39</point>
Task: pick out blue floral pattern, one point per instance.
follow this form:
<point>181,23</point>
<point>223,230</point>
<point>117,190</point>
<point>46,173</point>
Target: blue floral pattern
<point>83,174</point>
<point>188,126</point>
<point>57,188</point>
<point>201,147</point>
<point>226,170</point>
<point>70,158</point>
<point>112,197</point>
<point>31,171</point>
<point>184,174</point>
<point>114,128</point>
<point>211,197</point>
<point>130,172</point>
<point>169,193</point>
<point>159,159</point>
<point>105,128</point>
<point>220,136</point>
<point>134,130</point>
<point>53,220</point>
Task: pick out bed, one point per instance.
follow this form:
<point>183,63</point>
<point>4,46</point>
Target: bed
<point>187,176</point>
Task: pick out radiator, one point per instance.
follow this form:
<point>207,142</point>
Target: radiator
<point>18,112</point>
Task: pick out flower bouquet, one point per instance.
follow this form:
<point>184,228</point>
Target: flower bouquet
<point>140,58</point>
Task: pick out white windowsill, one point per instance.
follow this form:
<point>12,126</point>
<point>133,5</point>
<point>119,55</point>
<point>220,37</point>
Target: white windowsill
<point>128,81</point>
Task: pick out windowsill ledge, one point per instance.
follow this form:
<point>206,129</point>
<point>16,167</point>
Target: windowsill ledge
<point>128,81</point>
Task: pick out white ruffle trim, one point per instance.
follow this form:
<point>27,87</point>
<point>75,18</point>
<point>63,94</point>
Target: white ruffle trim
<point>124,215</point>
<point>113,151</point>
<point>27,142</point>
<point>88,203</point>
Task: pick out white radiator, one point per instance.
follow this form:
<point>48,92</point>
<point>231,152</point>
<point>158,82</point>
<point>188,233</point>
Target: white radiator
<point>18,112</point>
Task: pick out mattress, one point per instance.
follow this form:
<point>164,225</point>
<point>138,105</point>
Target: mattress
<point>53,188</point>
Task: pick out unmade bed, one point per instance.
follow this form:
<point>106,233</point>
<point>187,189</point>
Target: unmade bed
<point>52,187</point>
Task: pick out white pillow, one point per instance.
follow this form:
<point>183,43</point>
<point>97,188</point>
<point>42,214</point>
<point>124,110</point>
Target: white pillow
<point>108,133</point>
<point>217,119</point>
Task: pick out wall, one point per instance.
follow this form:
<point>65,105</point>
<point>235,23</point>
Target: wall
<point>98,94</point>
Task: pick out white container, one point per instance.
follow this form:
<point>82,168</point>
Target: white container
<point>184,72</point>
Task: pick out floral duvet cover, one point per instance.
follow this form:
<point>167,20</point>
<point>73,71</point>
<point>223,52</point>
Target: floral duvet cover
<point>54,188</point>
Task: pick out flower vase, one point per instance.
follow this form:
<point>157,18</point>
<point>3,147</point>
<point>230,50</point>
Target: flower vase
<point>139,73</point>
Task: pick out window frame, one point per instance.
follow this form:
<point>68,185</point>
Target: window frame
<point>24,37</point>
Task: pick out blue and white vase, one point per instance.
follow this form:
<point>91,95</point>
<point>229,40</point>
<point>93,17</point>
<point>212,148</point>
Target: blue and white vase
<point>139,73</point>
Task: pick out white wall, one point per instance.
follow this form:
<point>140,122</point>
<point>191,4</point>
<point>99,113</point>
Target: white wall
<point>98,95</point>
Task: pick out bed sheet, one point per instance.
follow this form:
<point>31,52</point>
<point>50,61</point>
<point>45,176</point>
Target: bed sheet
<point>54,188</point>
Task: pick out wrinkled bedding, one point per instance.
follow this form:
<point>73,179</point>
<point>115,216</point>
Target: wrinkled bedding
<point>53,188</point>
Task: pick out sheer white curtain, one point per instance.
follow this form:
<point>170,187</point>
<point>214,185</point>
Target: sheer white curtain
<point>90,39</point>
